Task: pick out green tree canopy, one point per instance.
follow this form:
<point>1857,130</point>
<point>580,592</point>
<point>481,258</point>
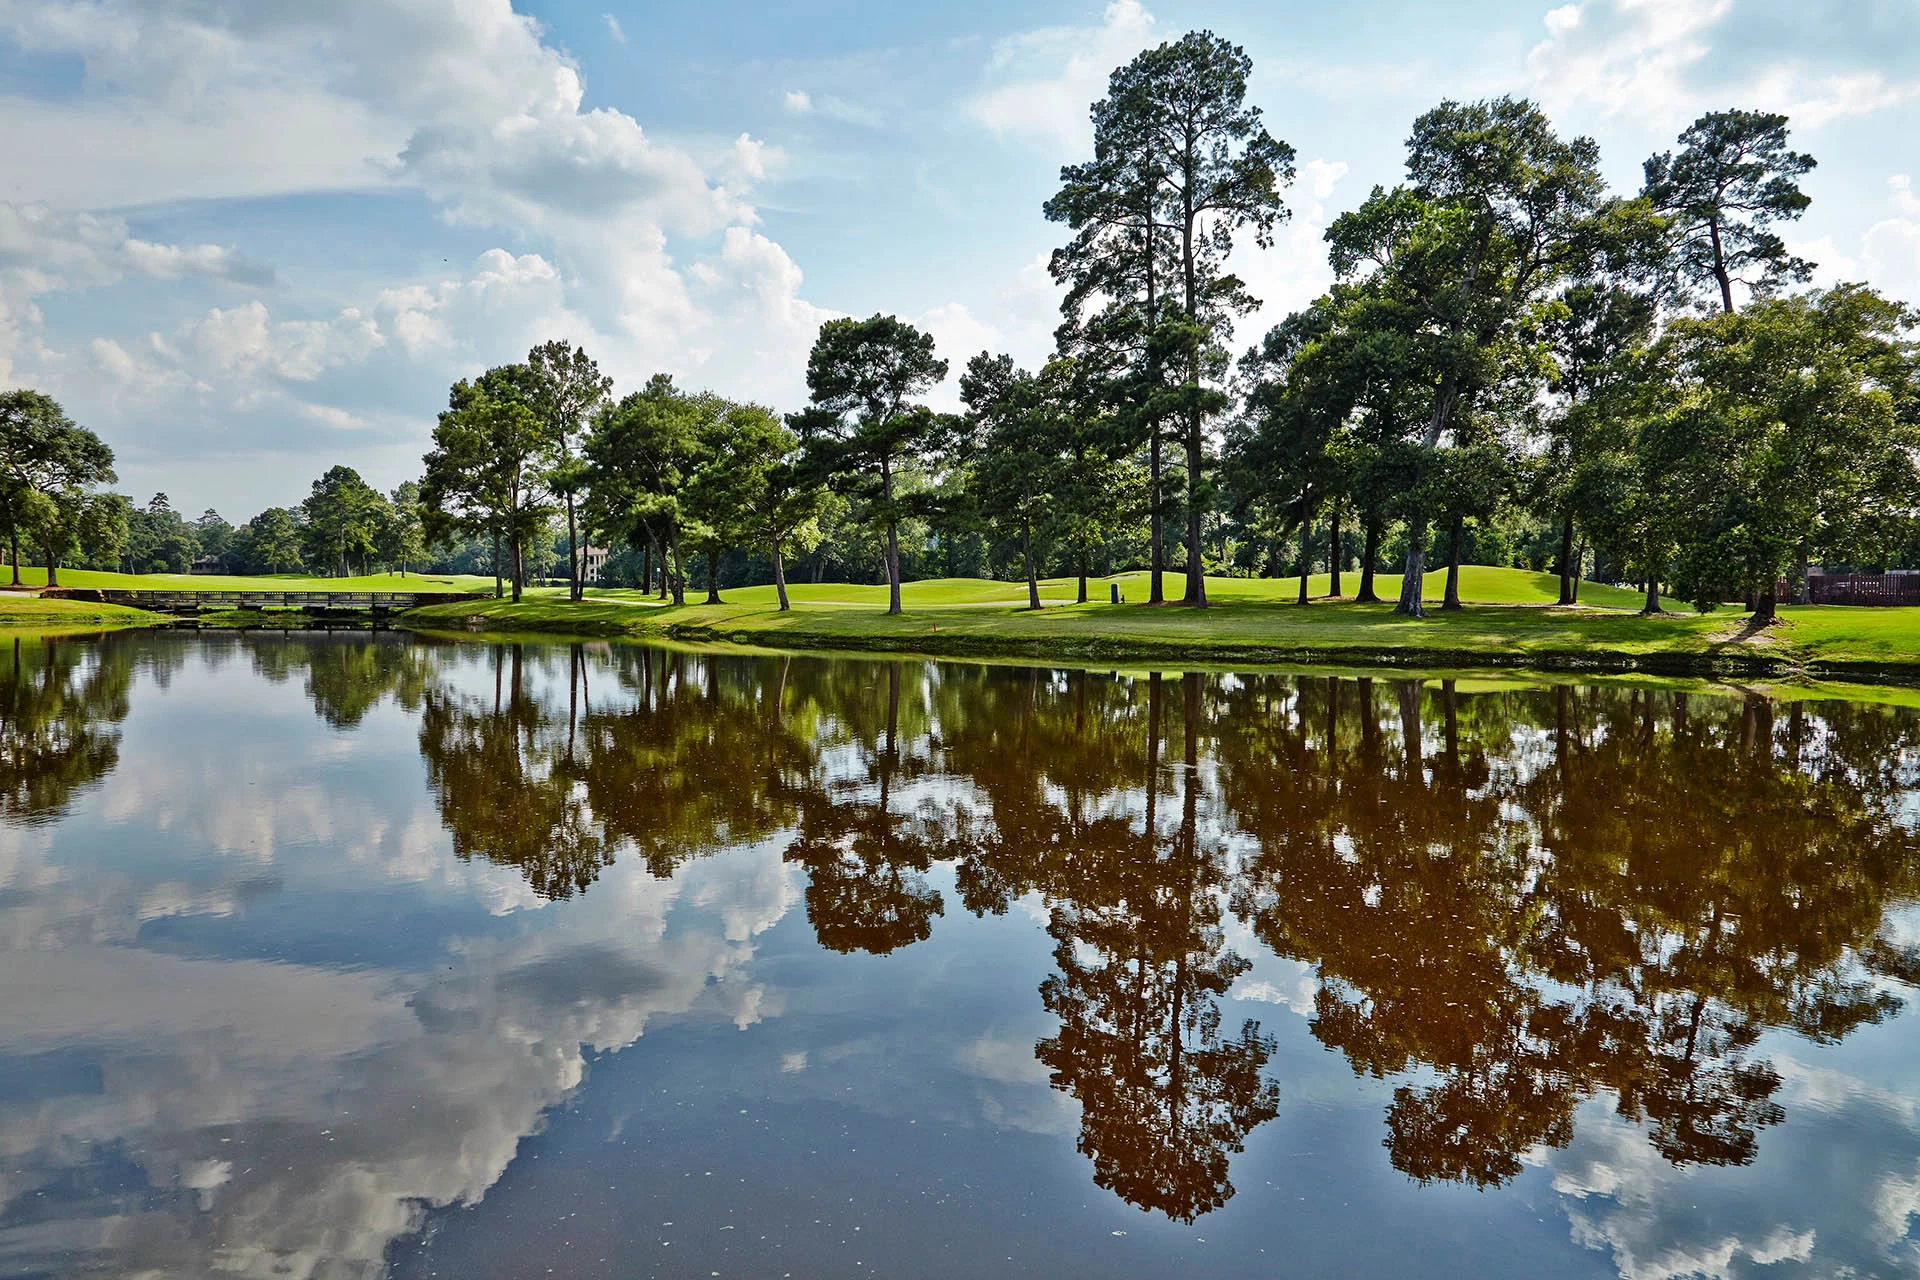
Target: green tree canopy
<point>863,426</point>
<point>1731,181</point>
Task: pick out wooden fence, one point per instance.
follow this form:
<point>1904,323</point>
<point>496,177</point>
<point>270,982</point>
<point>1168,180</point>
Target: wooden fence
<point>1859,588</point>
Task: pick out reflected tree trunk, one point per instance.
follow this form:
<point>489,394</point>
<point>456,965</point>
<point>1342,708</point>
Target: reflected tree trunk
<point>1409,695</point>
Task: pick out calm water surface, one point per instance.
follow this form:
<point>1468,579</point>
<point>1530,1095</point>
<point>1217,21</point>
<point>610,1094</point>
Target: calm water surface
<point>326,957</point>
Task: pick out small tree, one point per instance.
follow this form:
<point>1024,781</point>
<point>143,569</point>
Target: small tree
<point>274,541</point>
<point>734,448</point>
<point>43,452</point>
<point>863,426</point>
<point>786,512</point>
<point>1099,493</point>
<point>1018,428</point>
<point>482,475</point>
<point>342,519</point>
<point>640,454</point>
<point>68,521</point>
<point>1284,455</point>
<point>566,390</point>
<point>401,539</point>
<point>214,536</point>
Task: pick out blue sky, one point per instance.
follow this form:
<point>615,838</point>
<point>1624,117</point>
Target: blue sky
<point>245,241</point>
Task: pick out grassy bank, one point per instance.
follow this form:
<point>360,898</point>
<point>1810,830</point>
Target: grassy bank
<point>1509,621</point>
<point>22,609</point>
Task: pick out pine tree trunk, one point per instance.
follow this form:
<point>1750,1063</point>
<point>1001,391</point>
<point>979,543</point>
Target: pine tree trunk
<point>1335,553</point>
<point>780,578</point>
<point>1156,592</point>
<point>519,566</point>
<point>1033,574</point>
<point>1566,559</point>
<point>713,576</point>
<point>893,538</point>
<point>1082,566</point>
<point>13,537</point>
<point>893,566</point>
<point>574,590</point>
<point>679,571</point>
<point>53,568</point>
<point>498,590</point>
<point>1196,559</point>
<point>1720,271</point>
<point>1452,598</point>
<point>1306,546</point>
<point>1368,554</point>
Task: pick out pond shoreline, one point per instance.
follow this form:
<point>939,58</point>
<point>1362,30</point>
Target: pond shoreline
<point>940,634</point>
<point>1600,662</point>
<point>1332,634</point>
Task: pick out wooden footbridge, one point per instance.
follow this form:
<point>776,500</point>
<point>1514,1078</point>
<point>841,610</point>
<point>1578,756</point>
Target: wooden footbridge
<point>318,603</point>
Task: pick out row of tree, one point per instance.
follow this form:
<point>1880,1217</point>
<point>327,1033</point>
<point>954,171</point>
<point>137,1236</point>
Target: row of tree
<point>1628,373</point>
<point>1504,330</point>
<point>53,499</point>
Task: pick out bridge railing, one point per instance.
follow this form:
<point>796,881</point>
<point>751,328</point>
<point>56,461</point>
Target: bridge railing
<point>165,600</point>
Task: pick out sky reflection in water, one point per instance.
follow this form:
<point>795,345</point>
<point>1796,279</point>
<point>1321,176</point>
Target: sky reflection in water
<point>342,957</point>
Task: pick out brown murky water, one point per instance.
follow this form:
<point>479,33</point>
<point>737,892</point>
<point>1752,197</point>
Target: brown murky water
<point>353,957</point>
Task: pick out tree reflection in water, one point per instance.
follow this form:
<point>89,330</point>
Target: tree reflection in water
<point>1525,897</point>
<point>507,779</point>
<point>1143,965</point>
<point>61,703</point>
<point>866,862</point>
<point>1585,890</point>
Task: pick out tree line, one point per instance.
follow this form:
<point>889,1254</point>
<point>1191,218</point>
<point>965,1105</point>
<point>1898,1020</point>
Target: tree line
<point>54,510</point>
<point>1513,365</point>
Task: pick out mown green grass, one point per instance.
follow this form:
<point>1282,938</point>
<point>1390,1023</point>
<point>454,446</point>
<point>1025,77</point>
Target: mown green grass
<point>1479,584</point>
<point>22,609</point>
<point>1510,620</point>
<point>102,580</point>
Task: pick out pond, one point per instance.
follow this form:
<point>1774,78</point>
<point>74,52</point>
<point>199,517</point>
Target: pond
<point>351,956</point>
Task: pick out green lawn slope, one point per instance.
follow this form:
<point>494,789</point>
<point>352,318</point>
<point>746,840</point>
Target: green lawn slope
<point>1510,620</point>
<point>24,609</point>
<point>1479,584</point>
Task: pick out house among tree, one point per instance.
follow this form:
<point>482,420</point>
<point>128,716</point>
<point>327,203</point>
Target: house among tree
<point>593,560</point>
